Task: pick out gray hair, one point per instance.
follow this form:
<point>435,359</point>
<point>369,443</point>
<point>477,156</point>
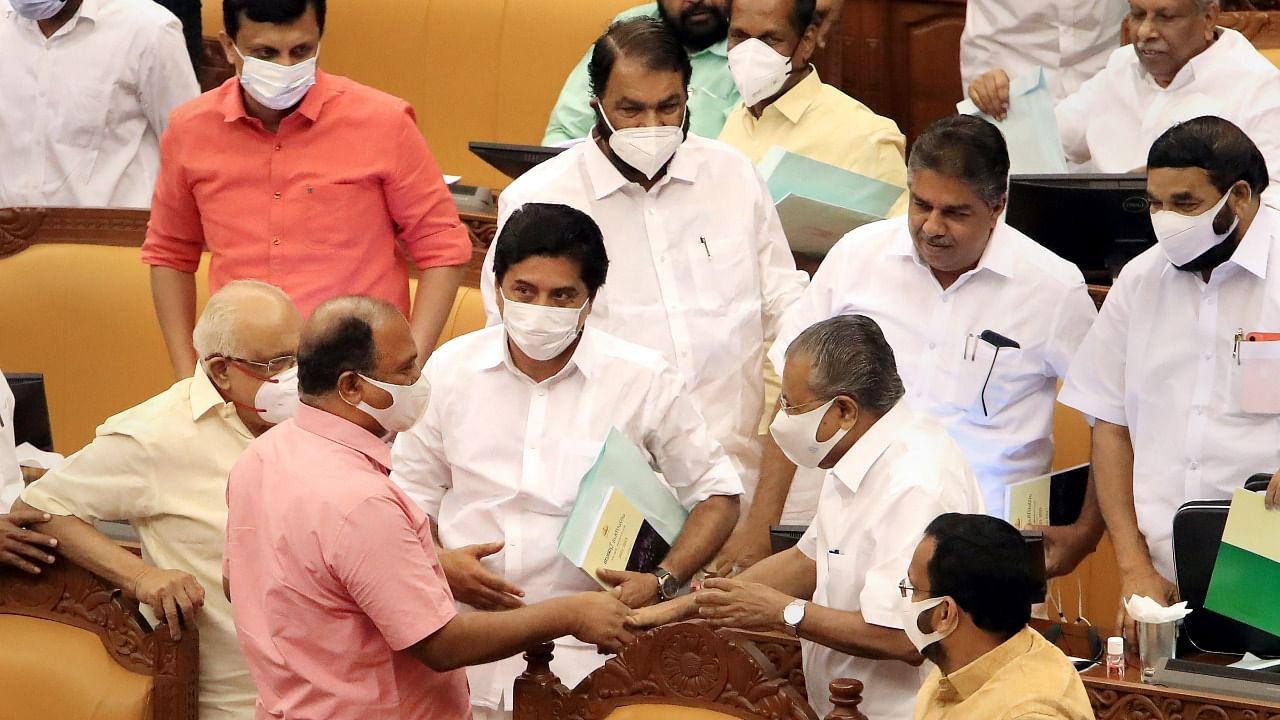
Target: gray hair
<point>215,332</point>
<point>850,357</point>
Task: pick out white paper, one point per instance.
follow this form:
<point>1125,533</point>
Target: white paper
<point>1253,662</point>
<point>451,179</point>
<point>1030,129</point>
<point>33,457</point>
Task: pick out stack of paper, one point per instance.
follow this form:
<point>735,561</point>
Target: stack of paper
<point>1047,500</point>
<point>819,203</point>
<point>622,466</point>
<point>1246,576</point>
<point>1031,127</point>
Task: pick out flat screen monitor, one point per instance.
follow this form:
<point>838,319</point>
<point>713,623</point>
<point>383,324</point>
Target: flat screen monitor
<point>1098,222</point>
<point>512,160</point>
<point>31,410</point>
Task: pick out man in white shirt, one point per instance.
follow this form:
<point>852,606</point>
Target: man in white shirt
<point>87,88</point>
<point>20,547</point>
<point>1182,406</point>
<point>706,271</point>
<point>557,390</point>
<point>892,472</point>
<point>983,319</point>
<point>1070,39</point>
<point>1181,66</point>
<point>163,467</point>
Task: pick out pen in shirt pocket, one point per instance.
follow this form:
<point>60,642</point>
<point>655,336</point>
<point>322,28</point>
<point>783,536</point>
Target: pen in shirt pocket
<point>705,247</point>
<point>834,551</point>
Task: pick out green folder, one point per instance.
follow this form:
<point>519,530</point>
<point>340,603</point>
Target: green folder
<point>1246,575</point>
<point>620,465</point>
<point>819,203</point>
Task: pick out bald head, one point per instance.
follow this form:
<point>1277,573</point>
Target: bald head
<point>349,334</point>
<point>247,318</point>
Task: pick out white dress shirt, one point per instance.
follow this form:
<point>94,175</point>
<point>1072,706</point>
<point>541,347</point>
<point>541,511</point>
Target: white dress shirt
<point>1160,362</point>
<point>498,457</point>
<point>699,270</point>
<point>10,473</point>
<point>1019,289</point>
<point>1070,39</point>
<point>1110,124</point>
<point>83,110</point>
<point>876,503</point>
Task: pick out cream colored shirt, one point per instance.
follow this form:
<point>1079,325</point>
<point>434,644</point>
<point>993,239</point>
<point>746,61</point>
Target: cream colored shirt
<point>820,122</point>
<point>163,467</point>
<point>1025,678</point>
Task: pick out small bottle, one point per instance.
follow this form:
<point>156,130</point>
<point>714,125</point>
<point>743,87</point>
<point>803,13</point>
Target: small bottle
<point>1115,658</point>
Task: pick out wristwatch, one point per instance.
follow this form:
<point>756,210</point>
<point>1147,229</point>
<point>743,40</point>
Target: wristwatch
<point>668,584</point>
<point>793,615</point>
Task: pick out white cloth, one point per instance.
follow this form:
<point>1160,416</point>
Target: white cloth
<point>1070,39</point>
<point>1019,289</point>
<point>10,473</point>
<point>1110,124</point>
<point>1159,361</point>
<point>499,458</point>
<point>83,110</point>
<point>876,502</point>
<point>699,271</point>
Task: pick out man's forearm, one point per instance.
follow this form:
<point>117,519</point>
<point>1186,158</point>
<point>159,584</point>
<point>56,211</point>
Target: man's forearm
<point>475,638</point>
<point>81,543</point>
<point>789,571</point>
<point>437,289</point>
<point>706,529</point>
<point>1112,466</point>
<point>174,295</point>
<point>849,633</point>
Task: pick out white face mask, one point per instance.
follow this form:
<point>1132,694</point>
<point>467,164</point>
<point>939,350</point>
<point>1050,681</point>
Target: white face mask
<point>1186,237</point>
<point>911,612</point>
<point>797,435</point>
<point>758,70</point>
<point>647,149</point>
<point>277,398</point>
<point>541,332</point>
<point>37,9</point>
<point>276,86</point>
<point>408,403</point>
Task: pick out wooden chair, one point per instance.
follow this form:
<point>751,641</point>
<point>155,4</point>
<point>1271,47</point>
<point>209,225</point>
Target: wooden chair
<point>72,650</point>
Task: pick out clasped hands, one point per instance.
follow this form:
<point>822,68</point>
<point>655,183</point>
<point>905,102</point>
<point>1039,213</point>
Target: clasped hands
<point>721,602</point>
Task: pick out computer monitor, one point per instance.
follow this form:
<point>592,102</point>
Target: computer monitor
<point>512,160</point>
<point>1099,222</point>
<point>31,410</point>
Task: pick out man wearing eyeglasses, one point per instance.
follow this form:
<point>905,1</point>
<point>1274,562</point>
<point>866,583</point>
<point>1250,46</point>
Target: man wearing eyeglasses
<point>162,466</point>
<point>892,471</point>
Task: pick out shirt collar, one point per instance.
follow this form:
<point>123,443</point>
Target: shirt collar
<point>494,354</point>
<point>855,464</point>
<point>232,101</point>
<point>1198,64</point>
<point>999,257</point>
<point>343,432</point>
<point>204,396</point>
<point>793,104</point>
<point>969,679</point>
<point>721,49</point>
<point>606,180</point>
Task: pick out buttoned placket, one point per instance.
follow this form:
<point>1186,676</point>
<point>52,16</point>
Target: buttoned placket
<point>531,477</point>
<point>940,337</point>
<point>1209,342</point>
<point>277,178</point>
<point>661,251</point>
<point>46,75</point>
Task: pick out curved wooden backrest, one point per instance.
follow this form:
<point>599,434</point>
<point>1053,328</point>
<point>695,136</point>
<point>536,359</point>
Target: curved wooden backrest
<point>686,664</point>
<point>1261,27</point>
<point>70,595</point>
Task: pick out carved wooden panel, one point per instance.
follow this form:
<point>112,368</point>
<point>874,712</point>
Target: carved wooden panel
<point>20,228</point>
<point>1261,27</point>
<point>65,593</point>
<point>687,664</point>
<point>1129,699</point>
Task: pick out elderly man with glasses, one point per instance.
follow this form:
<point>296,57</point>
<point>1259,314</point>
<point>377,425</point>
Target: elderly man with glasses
<point>163,467</point>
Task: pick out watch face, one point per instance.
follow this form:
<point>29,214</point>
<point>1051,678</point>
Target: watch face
<point>793,614</point>
<point>670,586</point>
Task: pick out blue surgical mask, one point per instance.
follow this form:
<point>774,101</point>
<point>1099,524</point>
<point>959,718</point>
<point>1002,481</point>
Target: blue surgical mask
<point>38,9</point>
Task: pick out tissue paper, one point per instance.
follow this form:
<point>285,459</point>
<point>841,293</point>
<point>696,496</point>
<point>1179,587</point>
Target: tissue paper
<point>1143,609</point>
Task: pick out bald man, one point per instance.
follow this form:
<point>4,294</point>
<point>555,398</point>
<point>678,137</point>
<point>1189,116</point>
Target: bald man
<point>162,466</point>
<point>319,537</point>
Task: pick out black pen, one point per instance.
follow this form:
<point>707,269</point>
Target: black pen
<point>704,245</point>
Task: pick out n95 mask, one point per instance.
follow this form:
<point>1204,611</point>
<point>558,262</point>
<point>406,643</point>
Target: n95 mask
<point>758,70</point>
<point>647,149</point>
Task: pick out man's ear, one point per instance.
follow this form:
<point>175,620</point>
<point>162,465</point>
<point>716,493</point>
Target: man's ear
<point>999,207</point>
<point>349,388</point>
<point>229,50</point>
<point>848,409</point>
<point>947,616</point>
<point>218,370</point>
<point>807,46</point>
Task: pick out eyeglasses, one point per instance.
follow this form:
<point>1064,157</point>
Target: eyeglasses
<point>907,589</point>
<point>270,368</point>
<point>791,409</point>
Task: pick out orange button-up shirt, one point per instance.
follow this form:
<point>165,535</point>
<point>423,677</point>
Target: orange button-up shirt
<point>328,205</point>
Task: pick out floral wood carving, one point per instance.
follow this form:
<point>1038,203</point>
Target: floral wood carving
<point>68,594</point>
<point>1159,703</point>
<point>687,664</point>
<point>785,655</point>
<point>20,228</point>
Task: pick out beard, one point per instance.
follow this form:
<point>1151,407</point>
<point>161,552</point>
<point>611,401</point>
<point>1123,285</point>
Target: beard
<point>1220,253</point>
<point>697,34</point>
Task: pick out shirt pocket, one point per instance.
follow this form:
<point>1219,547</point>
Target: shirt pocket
<point>327,212</point>
<point>1256,379</point>
<point>576,459</point>
<point>839,580</point>
<point>723,269</point>
<point>986,380</point>
<point>82,117</point>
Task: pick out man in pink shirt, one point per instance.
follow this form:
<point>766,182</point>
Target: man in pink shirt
<point>310,181</point>
<point>340,603</point>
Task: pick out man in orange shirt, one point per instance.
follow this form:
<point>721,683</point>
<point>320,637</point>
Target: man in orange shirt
<point>309,181</point>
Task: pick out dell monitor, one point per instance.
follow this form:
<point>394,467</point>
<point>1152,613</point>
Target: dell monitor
<point>512,160</point>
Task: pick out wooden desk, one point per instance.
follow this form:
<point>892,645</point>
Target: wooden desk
<point>1130,699</point>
